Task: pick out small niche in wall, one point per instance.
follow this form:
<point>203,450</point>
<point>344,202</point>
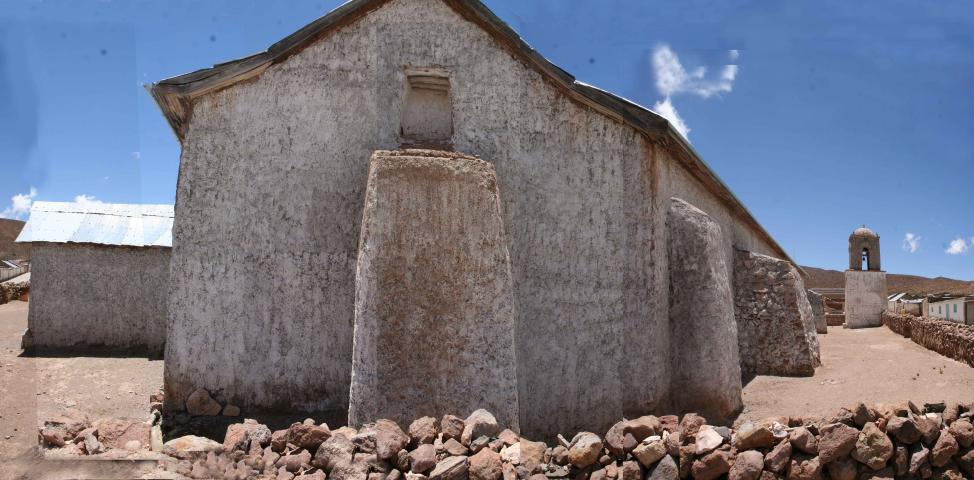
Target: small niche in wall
<point>427,114</point>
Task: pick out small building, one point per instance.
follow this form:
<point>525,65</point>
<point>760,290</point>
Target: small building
<point>958,308</point>
<point>99,276</point>
<point>905,303</point>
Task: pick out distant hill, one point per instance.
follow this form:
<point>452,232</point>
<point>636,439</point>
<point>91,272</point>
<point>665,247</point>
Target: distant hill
<point>9,229</point>
<point>821,278</point>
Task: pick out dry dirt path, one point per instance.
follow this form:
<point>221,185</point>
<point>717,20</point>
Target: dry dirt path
<point>35,388</point>
<point>872,365</point>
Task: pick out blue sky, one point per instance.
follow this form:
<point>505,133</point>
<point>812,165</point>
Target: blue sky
<point>835,114</point>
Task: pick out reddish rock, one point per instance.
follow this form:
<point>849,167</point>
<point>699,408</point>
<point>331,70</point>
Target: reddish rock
<point>963,432</point>
<point>452,427</point>
<point>200,403</point>
<point>486,465</point>
<point>842,469</point>
<point>532,455</point>
<point>665,469</point>
<point>479,423</point>
<point>836,441</point>
<point>752,435</point>
<point>929,429</point>
<point>423,459</point>
<point>630,471</point>
<point>337,449</point>
<point>584,449</point>
<point>777,459</point>
<point>804,467</point>
<point>422,430</point>
<point>306,435</point>
<point>945,448</point>
<point>279,440</point>
<point>747,466</point>
<point>389,439</point>
<point>873,447</point>
<point>669,423</point>
<point>903,429</point>
<point>803,440</point>
<point>113,433</point>
<point>689,426</point>
<point>451,468</point>
<point>711,466</point>
<point>644,427</point>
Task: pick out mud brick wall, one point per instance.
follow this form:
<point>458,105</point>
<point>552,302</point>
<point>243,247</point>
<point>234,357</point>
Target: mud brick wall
<point>954,340</point>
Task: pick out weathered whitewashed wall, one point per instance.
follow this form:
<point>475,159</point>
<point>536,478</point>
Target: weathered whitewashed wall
<point>270,199</point>
<point>111,299</point>
<point>865,298</point>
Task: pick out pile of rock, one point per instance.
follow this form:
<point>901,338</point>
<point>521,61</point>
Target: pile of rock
<point>73,433</point>
<point>13,291</point>
<point>951,339</point>
<point>883,441</point>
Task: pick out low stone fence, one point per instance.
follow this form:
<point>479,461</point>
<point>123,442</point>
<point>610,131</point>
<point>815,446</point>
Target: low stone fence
<point>954,340</point>
<point>13,291</point>
<point>860,442</point>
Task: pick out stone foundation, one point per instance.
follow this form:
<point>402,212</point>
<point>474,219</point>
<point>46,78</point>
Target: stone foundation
<point>834,319</point>
<point>434,309</point>
<point>703,354</point>
<point>775,323</point>
<point>865,298</point>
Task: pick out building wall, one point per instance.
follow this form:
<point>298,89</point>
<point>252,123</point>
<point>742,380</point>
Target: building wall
<point>946,310</point>
<point>865,298</point>
<point>98,297</point>
<point>270,201</point>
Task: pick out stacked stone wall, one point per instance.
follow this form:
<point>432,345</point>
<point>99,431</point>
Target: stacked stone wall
<point>818,311</point>
<point>775,323</point>
<point>13,291</point>
<point>951,339</point>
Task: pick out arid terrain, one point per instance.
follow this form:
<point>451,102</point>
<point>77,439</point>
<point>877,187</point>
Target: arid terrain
<point>895,282</point>
<point>9,229</point>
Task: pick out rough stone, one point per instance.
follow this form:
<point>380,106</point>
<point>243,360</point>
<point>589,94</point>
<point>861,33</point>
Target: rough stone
<point>585,449</point>
<point>818,311</point>
<point>665,469</point>
<point>532,454</point>
<point>452,427</point>
<point>706,373</point>
<point>903,430</point>
<point>711,466</point>
<point>451,468</point>
<point>963,432</point>
<point>836,441</point>
<point>775,323</point>
<point>485,465</point>
<point>453,447</point>
<point>389,439</point>
<point>337,449</point>
<point>191,447</point>
<point>307,436</point>
<point>919,460</point>
<point>751,435</point>
<point>842,469</point>
<point>945,448</point>
<point>422,430</point>
<point>649,453</point>
<point>231,411</point>
<point>747,466</point>
<point>240,435</point>
<point>201,403</point>
<point>644,427</point>
<point>873,447</point>
<point>777,459</point>
<point>803,440</point>
<point>630,471</point>
<point>804,467</point>
<point>423,458</point>
<point>707,440</point>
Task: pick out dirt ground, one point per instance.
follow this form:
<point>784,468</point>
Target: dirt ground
<point>35,388</point>
<point>871,365</point>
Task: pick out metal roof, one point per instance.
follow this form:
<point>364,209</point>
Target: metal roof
<point>99,223</point>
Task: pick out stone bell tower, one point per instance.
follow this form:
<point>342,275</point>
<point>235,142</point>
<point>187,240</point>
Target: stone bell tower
<point>865,281</point>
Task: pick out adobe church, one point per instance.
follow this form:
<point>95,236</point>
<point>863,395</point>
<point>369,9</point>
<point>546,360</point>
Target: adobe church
<point>402,207</point>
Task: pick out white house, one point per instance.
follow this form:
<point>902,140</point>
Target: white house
<point>955,309</point>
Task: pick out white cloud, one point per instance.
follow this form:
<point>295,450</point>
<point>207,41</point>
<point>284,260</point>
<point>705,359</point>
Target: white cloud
<point>666,109</point>
<point>19,204</point>
<point>87,200</point>
<point>136,155</point>
<point>911,243</point>
<point>672,78</point>
<point>958,246</point>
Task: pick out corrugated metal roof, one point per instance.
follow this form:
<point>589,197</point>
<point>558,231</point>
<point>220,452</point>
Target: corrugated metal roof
<point>99,223</point>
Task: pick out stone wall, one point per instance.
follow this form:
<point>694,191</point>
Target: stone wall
<point>775,324</point>
<point>14,291</point>
<point>86,297</point>
<point>950,339</point>
<point>818,311</point>
<point>834,319</point>
<point>902,441</point>
<point>434,308</point>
